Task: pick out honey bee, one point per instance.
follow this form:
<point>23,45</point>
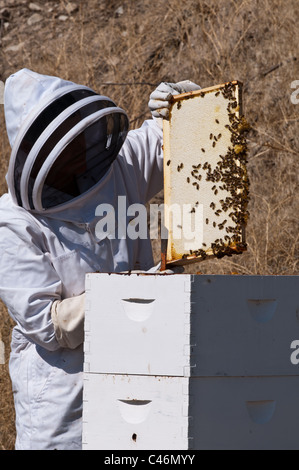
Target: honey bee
<point>238,148</point>
<point>243,126</point>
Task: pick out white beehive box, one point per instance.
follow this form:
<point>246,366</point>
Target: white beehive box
<point>190,361</point>
<point>190,325</point>
<point>135,412</point>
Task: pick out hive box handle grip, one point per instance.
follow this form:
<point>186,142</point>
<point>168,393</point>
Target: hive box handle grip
<point>138,309</point>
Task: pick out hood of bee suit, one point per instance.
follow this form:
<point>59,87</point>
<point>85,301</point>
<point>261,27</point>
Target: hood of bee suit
<point>64,138</point>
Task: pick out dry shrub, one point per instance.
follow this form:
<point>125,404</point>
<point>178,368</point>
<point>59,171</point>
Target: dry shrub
<point>124,48</point>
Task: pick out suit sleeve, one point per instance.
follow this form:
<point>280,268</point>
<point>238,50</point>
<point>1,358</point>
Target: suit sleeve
<point>28,282</point>
<point>143,149</point>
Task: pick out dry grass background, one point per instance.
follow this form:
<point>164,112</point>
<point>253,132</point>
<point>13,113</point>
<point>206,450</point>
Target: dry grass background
<point>123,48</point>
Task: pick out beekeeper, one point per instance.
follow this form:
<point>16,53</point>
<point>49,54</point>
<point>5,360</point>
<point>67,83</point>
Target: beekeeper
<point>71,152</point>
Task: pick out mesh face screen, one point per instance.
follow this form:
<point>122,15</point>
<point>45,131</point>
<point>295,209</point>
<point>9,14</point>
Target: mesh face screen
<point>39,125</point>
<point>85,160</point>
<point>57,135</point>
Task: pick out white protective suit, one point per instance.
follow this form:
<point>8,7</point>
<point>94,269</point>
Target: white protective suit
<point>45,254</point>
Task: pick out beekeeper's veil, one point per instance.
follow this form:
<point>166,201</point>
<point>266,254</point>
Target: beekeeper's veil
<point>64,137</point>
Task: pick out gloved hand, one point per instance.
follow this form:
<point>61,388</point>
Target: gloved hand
<point>68,319</point>
<point>174,270</point>
<point>157,270</point>
<point>160,99</point>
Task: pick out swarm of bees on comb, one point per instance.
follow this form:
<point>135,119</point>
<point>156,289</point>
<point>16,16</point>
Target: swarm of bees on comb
<point>205,156</point>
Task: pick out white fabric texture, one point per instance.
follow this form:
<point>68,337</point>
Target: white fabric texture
<point>44,258</point>
<point>160,99</point>
<point>68,121</point>
<point>32,84</point>
<point>68,319</point>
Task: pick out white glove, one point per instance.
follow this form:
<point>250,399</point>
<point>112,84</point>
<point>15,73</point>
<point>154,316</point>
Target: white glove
<point>157,270</point>
<point>174,270</point>
<point>68,319</point>
<point>160,99</point>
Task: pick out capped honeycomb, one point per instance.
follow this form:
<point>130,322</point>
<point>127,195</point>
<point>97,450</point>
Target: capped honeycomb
<point>206,187</point>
